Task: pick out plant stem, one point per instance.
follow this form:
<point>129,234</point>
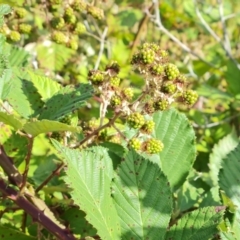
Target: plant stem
<point>36,214</point>
<point>56,171</point>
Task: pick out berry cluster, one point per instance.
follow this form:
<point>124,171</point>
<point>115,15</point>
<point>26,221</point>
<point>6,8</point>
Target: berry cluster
<point>17,25</point>
<point>164,84</point>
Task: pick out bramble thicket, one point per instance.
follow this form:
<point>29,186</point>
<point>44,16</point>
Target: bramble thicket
<point>119,119</point>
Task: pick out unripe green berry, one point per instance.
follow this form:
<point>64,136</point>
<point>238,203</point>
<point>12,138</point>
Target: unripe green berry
<point>70,19</point>
<point>128,93</point>
<point>135,143</point>
<point>73,43</point>
<point>59,37</point>
<point>115,101</point>
<point>153,146</point>
<point>157,69</point>
<point>57,136</point>
<point>57,22</point>
<point>14,36</point>
<point>115,139</point>
<point>96,77</point>
<point>190,97</point>
<point>93,124</point>
<point>79,28</point>
<point>163,53</point>
<point>20,12</point>
<point>79,5</point>
<point>5,30</point>
<point>161,104</point>
<point>68,12</point>
<point>148,56</point>
<point>148,127</point>
<point>95,12</point>
<point>25,28</point>
<point>136,120</point>
<point>171,71</point>
<point>56,1</point>
<point>114,81</point>
<point>66,119</point>
<point>169,87</point>
<point>182,78</point>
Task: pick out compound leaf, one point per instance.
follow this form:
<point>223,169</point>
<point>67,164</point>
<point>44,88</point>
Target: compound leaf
<point>142,197</point>
<point>229,179</point>
<point>65,101</point>
<point>89,174</point>
<point>11,234</point>
<point>177,135</point>
<point>197,225</point>
<point>45,86</point>
<point>220,151</point>
<point>45,126</point>
<point>10,120</point>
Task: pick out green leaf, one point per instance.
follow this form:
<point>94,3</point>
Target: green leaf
<point>177,135</point>
<point>15,147</point>
<point>54,56</point>
<point>142,197</point>
<point>10,120</point>
<point>5,9</point>
<point>17,56</point>
<point>46,87</point>
<point>220,151</point>
<point>199,224</point>
<point>23,96</point>
<point>5,77</point>
<point>45,126</point>
<point>229,179</point>
<point>232,77</point>
<point>11,234</point>
<point>89,174</point>
<point>76,219</point>
<point>65,101</point>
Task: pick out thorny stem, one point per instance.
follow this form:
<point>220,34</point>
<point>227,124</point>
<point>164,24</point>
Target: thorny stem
<point>27,161</point>
<point>35,213</point>
<point>55,172</point>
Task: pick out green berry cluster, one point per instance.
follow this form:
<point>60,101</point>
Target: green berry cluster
<point>66,119</point>
<point>153,146</point>
<point>190,97</point>
<point>114,81</point>
<point>171,71</point>
<point>136,120</point>
<point>79,5</point>
<point>128,93</point>
<point>59,37</point>
<point>96,77</point>
<point>115,101</point>
<point>25,28</point>
<point>135,143</point>
<point>169,87</point>
<point>157,70</point>
<point>20,12</point>
<point>15,36</point>
<point>95,11</point>
<point>79,28</point>
<point>148,127</point>
<point>58,22</point>
<point>164,84</point>
<point>161,104</point>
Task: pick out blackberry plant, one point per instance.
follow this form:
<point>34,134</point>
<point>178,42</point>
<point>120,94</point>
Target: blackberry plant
<point>85,151</point>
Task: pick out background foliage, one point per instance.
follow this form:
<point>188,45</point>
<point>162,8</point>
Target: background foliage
<point>44,78</point>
